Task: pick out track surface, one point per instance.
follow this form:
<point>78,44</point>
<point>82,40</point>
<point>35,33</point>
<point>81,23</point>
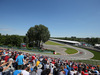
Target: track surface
<point>81,55</point>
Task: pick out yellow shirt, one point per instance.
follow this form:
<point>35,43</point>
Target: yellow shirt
<point>37,63</point>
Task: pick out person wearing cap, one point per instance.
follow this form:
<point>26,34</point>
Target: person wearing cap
<point>33,60</point>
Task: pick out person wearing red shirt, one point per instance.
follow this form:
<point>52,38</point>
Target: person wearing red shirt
<point>16,56</point>
<point>86,72</point>
<point>6,58</point>
<point>82,72</point>
<point>53,62</point>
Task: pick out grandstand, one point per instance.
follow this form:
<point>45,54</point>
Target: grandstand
<point>76,43</point>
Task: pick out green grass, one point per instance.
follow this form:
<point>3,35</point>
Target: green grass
<point>38,52</point>
<point>70,50</point>
<point>53,43</point>
<point>96,53</point>
<point>58,54</point>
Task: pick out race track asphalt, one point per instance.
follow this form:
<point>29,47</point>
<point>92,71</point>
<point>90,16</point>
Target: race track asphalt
<point>82,54</point>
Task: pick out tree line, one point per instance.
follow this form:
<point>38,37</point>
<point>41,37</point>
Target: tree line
<point>11,40</point>
<point>34,37</point>
<point>92,40</point>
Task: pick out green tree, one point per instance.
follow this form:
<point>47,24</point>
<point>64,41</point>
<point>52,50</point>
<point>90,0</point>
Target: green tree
<point>3,39</point>
<point>15,40</point>
<point>38,34</point>
<point>0,38</point>
<point>8,40</point>
<point>25,39</point>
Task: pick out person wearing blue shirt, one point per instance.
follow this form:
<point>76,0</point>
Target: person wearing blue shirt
<point>20,60</point>
<point>66,71</point>
<point>16,72</point>
<point>69,69</point>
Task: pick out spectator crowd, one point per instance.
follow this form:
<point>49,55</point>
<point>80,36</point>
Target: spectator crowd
<point>22,63</point>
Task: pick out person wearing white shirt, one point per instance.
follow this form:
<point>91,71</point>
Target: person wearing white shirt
<point>25,71</point>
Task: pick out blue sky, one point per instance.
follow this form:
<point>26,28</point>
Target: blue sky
<point>64,18</point>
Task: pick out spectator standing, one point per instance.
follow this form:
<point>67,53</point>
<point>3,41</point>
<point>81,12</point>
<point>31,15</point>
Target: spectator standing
<point>20,60</point>
<point>6,58</point>
<point>66,71</point>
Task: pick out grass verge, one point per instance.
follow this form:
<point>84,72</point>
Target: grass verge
<point>38,52</point>
<point>70,50</point>
<point>58,54</point>
<point>53,43</point>
<point>96,53</point>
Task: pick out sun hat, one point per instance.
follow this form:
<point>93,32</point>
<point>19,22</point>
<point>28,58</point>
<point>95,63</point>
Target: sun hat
<point>40,66</point>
